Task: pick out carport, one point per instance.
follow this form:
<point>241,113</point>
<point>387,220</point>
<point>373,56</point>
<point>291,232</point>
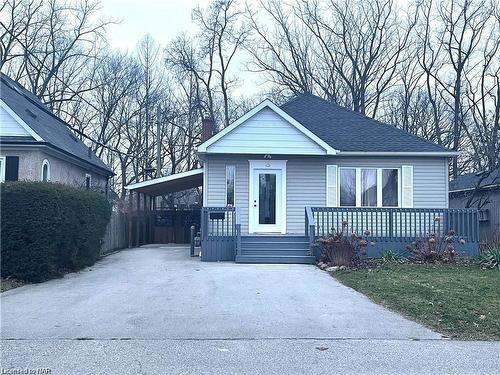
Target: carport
<point>148,223</point>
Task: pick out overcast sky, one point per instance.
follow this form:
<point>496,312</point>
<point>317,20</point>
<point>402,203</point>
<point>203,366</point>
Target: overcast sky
<point>163,19</point>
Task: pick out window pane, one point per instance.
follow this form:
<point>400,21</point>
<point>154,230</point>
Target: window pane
<point>347,187</point>
<point>390,187</point>
<point>45,173</point>
<point>369,187</point>
<point>230,171</point>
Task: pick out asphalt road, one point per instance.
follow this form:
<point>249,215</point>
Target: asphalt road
<point>155,310</point>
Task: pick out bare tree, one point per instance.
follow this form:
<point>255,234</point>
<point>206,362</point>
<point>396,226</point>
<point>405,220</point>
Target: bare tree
<point>451,51</point>
<point>281,48</point>
<point>46,45</point>
<point>222,35</point>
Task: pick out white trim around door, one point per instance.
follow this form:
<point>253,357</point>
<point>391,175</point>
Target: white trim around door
<point>278,169</point>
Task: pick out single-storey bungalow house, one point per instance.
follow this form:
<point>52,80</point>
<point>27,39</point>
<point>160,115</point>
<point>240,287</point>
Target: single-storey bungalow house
<point>281,176</point>
<point>36,145</point>
<point>480,190</point>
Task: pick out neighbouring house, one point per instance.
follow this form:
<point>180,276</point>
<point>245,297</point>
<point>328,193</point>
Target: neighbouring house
<point>480,190</point>
<point>281,176</point>
<point>36,145</point>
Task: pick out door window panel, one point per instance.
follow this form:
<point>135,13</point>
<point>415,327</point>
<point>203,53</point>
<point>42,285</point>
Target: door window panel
<point>267,198</point>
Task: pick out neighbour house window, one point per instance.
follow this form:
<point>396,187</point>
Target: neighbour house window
<point>390,183</point>
<point>347,186</point>
<point>11,168</point>
<point>230,183</point>
<point>45,171</point>
<point>2,169</point>
<point>88,181</point>
<point>369,187</point>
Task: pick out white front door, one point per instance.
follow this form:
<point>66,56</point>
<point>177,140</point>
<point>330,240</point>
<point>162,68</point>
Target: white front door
<point>267,206</point>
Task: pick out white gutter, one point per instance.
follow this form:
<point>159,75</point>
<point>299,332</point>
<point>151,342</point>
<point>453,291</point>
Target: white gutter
<point>398,153</point>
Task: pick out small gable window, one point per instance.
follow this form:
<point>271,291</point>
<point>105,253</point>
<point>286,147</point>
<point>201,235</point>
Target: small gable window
<point>88,181</point>
<point>45,171</point>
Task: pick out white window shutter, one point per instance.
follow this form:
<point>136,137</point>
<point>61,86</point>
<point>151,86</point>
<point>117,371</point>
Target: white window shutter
<point>407,186</point>
<point>331,186</point>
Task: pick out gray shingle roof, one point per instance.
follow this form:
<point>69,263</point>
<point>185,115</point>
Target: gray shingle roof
<point>49,127</point>
<point>346,130</point>
<point>471,180</point>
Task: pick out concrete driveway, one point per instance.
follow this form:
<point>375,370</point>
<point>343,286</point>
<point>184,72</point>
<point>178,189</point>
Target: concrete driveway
<point>162,293</point>
<point>156,310</point>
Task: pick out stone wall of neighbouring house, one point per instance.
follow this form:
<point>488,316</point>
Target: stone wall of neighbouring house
<point>61,170</point>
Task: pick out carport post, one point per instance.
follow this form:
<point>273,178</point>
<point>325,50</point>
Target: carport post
<point>191,240</point>
<point>137,222</point>
<point>152,201</point>
<point>130,208</point>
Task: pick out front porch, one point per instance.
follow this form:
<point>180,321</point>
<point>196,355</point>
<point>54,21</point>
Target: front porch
<point>389,228</point>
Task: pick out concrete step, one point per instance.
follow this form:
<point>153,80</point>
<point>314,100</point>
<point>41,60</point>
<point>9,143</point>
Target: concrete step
<point>290,259</point>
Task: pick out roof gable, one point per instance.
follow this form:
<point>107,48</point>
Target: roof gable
<point>276,133</point>
<point>339,131</point>
<point>44,125</point>
<point>12,126</point>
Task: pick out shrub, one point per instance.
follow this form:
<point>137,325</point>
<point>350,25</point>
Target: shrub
<point>490,258</point>
<point>433,248</point>
<point>48,229</point>
<point>342,249</point>
<point>389,256</point>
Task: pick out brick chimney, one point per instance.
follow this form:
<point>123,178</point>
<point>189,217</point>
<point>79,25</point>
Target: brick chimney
<point>207,128</point>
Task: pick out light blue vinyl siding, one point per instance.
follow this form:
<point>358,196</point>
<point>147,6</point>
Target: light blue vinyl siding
<point>306,182</point>
<point>266,132</point>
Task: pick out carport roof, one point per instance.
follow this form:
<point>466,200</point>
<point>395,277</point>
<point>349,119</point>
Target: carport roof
<point>169,184</point>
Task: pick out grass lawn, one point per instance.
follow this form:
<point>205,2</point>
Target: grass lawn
<point>6,284</point>
<point>459,301</point>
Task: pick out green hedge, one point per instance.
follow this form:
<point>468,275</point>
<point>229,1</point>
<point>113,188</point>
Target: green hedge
<point>49,229</point>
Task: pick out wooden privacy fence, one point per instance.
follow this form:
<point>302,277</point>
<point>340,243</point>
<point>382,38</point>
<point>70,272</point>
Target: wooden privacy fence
<point>116,236</point>
<point>141,227</point>
<point>174,226</point>
<point>220,233</point>
<point>394,228</point>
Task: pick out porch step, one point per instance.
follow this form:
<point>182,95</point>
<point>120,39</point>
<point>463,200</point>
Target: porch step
<point>289,259</point>
<point>273,238</point>
<point>274,249</point>
<point>275,245</point>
